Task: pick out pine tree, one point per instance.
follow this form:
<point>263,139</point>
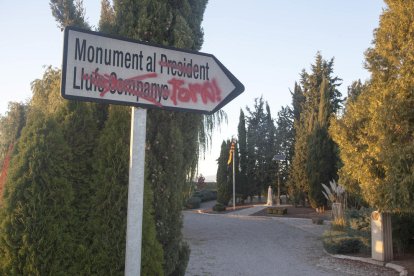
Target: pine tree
<point>37,208</point>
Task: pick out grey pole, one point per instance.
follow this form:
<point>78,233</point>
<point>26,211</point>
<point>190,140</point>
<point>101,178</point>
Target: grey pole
<point>135,192</point>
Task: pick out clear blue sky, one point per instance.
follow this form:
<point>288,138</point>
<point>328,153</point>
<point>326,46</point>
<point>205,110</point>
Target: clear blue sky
<point>265,45</point>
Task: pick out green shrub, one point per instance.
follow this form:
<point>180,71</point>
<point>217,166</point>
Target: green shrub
<point>338,224</point>
<point>340,242</point>
<point>219,207</point>
<point>206,195</point>
<point>193,202</point>
<point>343,245</point>
<point>360,220</point>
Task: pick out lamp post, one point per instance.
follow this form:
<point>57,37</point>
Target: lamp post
<point>278,157</point>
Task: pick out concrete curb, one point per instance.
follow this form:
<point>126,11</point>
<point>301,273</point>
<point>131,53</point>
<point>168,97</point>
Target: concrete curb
<point>400,269</point>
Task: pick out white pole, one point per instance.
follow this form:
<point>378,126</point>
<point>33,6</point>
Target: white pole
<point>234,178</point>
<point>135,192</point>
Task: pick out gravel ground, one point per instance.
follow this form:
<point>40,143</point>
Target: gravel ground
<point>235,244</point>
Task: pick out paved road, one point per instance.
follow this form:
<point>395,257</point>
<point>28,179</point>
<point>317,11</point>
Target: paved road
<point>242,245</point>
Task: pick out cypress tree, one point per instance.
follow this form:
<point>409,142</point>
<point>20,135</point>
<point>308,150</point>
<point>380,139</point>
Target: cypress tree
<point>321,155</point>
<point>256,146</point>
<point>284,143</point>
<point>321,100</point>
<point>109,203</point>
<point>36,214</point>
<point>11,125</point>
<point>224,175</point>
<point>242,142</point>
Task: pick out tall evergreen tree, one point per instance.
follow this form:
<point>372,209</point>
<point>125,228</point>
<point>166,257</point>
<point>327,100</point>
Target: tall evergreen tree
<point>381,118</point>
<point>321,99</point>
<point>256,146</point>
<point>284,143</point>
<point>37,208</point>
<point>242,142</point>
<point>11,125</point>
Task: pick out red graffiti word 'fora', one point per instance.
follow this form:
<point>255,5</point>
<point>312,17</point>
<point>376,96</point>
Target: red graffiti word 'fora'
<point>209,91</point>
<point>111,83</point>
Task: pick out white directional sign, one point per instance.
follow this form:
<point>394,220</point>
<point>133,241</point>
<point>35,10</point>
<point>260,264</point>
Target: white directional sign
<point>104,68</point>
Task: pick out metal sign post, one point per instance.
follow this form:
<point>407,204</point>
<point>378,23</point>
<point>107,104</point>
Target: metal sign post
<point>135,192</point>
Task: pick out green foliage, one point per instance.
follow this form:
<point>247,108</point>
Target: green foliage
<point>35,233</point>
<point>402,231</point>
<point>320,166</point>
<point>68,13</point>
<point>315,155</point>
<point>376,132</point>
<point>219,207</point>
<point>193,202</point>
<point>110,190</point>
<point>336,242</point>
<point>261,132</point>
<point>242,181</point>
<point>11,125</point>
<point>206,195</point>
<point>359,220</point>
<point>152,255</point>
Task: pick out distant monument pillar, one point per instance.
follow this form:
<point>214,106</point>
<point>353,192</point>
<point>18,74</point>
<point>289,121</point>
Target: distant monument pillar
<point>269,196</point>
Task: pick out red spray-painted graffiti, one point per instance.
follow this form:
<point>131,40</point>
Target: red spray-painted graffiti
<point>180,92</point>
<point>209,91</point>
<point>111,83</point>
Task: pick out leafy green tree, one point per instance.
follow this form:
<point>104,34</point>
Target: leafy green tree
<point>382,117</point>
<point>37,207</point>
<point>347,132</point>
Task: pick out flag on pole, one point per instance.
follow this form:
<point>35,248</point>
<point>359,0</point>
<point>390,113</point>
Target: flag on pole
<point>231,152</point>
